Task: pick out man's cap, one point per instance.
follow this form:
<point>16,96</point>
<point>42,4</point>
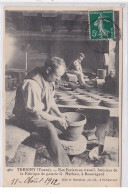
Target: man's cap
<point>82,55</point>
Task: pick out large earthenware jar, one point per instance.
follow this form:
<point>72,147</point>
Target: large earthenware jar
<point>76,122</point>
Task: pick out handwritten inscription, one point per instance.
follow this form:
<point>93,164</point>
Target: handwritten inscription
<point>32,179</point>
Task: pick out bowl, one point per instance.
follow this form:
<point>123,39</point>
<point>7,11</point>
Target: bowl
<point>80,96</point>
<point>75,93</point>
<point>69,103</point>
<point>91,102</point>
<point>95,96</point>
<point>84,97</point>
<point>72,92</point>
<point>65,88</point>
<point>110,99</point>
<point>59,94</point>
<point>85,91</point>
<point>66,97</point>
<point>107,95</point>
<point>100,94</point>
<point>111,103</point>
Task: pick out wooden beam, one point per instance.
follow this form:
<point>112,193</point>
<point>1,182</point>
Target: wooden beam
<point>75,36</point>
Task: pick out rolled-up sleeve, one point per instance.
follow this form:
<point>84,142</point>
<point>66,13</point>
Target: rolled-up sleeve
<point>32,96</point>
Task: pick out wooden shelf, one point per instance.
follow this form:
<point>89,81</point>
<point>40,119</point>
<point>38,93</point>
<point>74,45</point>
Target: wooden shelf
<point>114,112</point>
<point>16,70</point>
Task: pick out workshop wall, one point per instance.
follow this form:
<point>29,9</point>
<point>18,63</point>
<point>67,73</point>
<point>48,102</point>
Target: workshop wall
<point>94,52</point>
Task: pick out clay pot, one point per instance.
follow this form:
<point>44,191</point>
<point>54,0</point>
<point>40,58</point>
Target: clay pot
<point>72,93</point>
<point>80,96</point>
<point>68,101</point>
<point>111,102</point>
<point>65,88</point>
<point>91,102</point>
<point>101,94</point>
<point>66,98</point>
<point>76,122</point>
<point>73,133</point>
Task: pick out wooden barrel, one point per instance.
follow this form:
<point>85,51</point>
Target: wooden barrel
<point>101,73</point>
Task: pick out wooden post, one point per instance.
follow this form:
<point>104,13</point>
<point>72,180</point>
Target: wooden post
<point>112,45</point>
<point>26,65</point>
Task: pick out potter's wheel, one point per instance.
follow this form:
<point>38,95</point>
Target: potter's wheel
<point>75,147</point>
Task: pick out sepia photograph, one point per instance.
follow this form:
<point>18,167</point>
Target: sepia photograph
<point>62,88</point>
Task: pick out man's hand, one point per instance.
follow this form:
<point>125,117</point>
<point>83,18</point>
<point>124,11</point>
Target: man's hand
<point>65,116</point>
<point>63,122</point>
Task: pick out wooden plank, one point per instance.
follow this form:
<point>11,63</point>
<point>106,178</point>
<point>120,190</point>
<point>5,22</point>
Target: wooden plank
<point>114,112</point>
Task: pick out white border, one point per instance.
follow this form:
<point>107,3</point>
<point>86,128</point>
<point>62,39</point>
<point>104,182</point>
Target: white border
<point>125,100</point>
<point>75,3</point>
<point>125,66</point>
<point>1,88</point>
<point>65,1</point>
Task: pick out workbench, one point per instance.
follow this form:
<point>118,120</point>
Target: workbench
<point>114,112</point>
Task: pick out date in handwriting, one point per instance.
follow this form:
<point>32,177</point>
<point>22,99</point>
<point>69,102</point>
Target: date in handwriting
<point>30,180</point>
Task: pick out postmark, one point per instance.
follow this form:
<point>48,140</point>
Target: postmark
<point>101,24</point>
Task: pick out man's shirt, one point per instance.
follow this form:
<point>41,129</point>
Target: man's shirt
<point>34,95</point>
<point>76,65</point>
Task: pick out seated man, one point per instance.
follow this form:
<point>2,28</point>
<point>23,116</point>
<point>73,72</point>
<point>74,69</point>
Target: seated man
<point>34,103</point>
<point>110,83</point>
<point>76,68</point>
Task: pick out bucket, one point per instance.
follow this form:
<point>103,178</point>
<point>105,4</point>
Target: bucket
<point>101,73</point>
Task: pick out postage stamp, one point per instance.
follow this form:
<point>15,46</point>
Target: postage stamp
<point>101,24</point>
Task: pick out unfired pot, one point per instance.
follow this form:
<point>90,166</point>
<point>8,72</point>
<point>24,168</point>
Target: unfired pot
<point>76,122</point>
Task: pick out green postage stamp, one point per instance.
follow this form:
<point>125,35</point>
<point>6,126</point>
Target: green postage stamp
<point>101,24</point>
